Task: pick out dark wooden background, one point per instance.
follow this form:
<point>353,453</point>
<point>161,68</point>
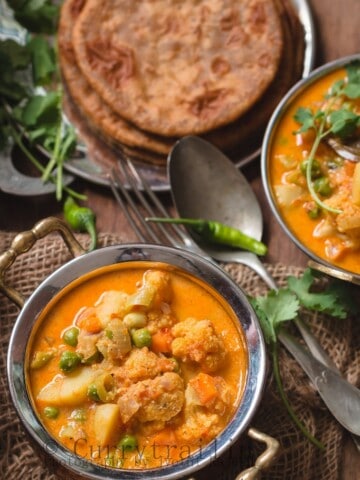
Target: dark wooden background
<point>337,25</point>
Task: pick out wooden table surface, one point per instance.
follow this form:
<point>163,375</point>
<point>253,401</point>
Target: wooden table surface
<point>337,30</point>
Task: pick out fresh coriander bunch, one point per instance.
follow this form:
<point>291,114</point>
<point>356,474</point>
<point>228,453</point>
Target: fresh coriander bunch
<point>279,308</point>
<point>31,93</point>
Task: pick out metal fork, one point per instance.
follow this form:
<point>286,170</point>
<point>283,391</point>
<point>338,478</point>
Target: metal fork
<point>173,235</point>
<point>149,205</point>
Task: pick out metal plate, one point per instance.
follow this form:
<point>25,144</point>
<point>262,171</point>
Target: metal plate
<point>94,160</point>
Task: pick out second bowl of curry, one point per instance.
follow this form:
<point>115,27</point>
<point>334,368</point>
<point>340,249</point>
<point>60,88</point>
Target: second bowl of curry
<point>311,169</point>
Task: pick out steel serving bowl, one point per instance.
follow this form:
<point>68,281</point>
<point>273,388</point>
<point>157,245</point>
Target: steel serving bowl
<point>67,464</point>
<point>287,102</point>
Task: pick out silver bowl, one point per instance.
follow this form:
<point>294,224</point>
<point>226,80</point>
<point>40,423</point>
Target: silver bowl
<point>315,261</point>
<point>66,463</point>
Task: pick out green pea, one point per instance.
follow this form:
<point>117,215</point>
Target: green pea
<point>314,212</point>
<point>141,337</point>
<point>315,168</point>
<point>322,186</point>
<point>93,393</point>
<point>70,336</point>
<point>69,361</point>
<point>51,412</point>
<point>128,442</point>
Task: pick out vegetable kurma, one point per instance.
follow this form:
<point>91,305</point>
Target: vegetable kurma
<point>137,365</point>
<point>317,190</point>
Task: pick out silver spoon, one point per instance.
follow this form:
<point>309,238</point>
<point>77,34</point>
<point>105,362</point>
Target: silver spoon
<point>206,184</point>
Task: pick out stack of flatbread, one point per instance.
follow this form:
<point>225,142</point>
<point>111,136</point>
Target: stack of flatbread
<point>143,73</point>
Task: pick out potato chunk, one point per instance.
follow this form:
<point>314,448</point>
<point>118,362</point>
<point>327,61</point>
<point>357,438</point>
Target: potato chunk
<point>69,390</point>
<point>106,423</point>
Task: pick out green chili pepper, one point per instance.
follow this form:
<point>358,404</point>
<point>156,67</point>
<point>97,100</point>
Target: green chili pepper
<point>216,232</point>
<point>81,219</point>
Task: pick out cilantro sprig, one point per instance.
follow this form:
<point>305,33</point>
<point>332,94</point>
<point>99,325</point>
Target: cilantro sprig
<point>279,307</point>
<point>31,94</point>
<point>341,122</point>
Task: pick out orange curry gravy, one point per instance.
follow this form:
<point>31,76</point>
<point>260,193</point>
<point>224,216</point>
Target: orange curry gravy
<point>333,237</point>
<point>137,401</point>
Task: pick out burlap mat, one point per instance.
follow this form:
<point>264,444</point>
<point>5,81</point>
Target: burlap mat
<point>299,459</point>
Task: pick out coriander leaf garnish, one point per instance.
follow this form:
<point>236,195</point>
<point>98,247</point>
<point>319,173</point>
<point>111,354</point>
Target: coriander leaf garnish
<point>276,309</point>
<point>352,88</point>
<point>273,309</point>
<point>307,118</point>
<point>343,122</point>
<point>327,301</point>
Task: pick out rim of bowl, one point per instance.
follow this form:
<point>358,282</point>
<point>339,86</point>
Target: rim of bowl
<point>277,115</point>
<point>192,263</point>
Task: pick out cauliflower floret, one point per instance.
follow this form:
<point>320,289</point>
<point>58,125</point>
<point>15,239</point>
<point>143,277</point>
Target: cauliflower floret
<point>142,364</point>
<point>196,341</point>
<point>199,424</point>
<point>160,319</point>
<point>158,399</point>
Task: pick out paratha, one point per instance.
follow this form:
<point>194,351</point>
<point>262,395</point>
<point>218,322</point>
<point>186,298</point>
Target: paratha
<point>98,114</point>
<point>179,67</point>
<point>246,132</point>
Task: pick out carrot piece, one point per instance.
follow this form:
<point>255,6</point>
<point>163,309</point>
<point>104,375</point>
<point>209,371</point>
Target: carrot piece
<point>88,320</point>
<point>205,387</point>
<point>161,341</point>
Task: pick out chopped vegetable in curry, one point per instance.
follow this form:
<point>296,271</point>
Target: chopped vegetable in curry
<point>138,367</point>
<point>317,190</point>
